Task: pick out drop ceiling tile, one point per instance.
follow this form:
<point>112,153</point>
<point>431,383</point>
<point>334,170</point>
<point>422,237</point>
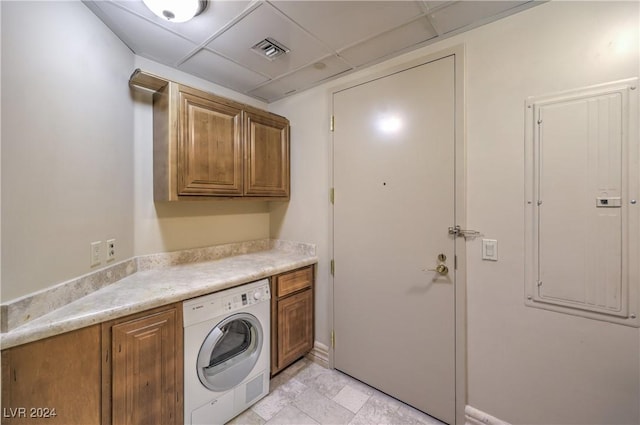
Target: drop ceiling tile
<point>215,17</point>
<point>436,3</point>
<point>463,13</point>
<point>389,43</point>
<point>341,23</point>
<point>143,37</point>
<point>219,70</point>
<point>263,22</point>
<point>301,79</point>
<point>366,32</point>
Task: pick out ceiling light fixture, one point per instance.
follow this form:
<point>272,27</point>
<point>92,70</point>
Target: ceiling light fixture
<point>176,10</point>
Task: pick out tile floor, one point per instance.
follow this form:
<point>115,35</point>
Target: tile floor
<point>306,393</point>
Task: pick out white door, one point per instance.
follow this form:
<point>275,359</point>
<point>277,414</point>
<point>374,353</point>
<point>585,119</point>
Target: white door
<point>394,150</point>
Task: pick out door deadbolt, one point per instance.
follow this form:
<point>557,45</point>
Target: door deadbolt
<point>442,258</point>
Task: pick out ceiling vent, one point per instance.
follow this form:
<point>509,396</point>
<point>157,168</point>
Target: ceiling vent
<point>270,48</point>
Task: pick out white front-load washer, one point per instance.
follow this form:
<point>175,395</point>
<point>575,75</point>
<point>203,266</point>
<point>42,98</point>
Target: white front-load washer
<point>226,352</point>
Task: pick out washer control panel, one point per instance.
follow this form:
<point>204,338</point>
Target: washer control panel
<point>245,298</point>
<point>229,300</point>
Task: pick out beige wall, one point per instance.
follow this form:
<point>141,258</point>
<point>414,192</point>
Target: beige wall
<point>525,366</point>
<point>306,216</point>
<point>67,158</point>
<point>528,365</point>
<point>77,153</point>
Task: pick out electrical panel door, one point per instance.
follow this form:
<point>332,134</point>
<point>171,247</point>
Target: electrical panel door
<point>580,202</point>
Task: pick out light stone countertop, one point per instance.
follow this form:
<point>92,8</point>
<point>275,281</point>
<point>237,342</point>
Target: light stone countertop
<point>148,289</point>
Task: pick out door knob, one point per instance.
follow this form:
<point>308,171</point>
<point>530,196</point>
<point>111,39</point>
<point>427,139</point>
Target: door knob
<point>441,269</point>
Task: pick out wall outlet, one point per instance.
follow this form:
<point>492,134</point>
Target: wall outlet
<point>111,249</point>
<point>96,253</point>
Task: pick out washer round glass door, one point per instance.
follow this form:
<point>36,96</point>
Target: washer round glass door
<point>229,352</point>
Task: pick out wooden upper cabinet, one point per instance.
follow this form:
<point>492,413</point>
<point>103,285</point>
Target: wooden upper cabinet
<point>267,150</point>
<point>208,146</point>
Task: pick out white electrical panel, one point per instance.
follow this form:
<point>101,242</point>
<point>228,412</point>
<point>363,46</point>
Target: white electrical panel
<point>582,226</point>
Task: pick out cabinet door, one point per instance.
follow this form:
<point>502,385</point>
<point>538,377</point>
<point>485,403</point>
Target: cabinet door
<point>267,151</point>
<point>295,327</point>
<point>209,147</point>
<point>54,380</point>
<point>146,370</point>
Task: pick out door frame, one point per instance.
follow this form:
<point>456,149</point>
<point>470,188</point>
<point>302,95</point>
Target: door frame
<point>458,53</point>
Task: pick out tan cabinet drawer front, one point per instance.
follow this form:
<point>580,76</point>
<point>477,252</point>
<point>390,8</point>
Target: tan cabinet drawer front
<point>294,281</point>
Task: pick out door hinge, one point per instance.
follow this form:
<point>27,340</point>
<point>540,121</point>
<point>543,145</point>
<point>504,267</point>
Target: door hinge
<point>332,195</point>
<point>332,124</point>
<point>332,266</point>
<point>333,339</point>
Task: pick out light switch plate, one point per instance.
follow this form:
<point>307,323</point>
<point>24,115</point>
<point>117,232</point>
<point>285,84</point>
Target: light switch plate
<point>490,249</point>
<point>96,253</point>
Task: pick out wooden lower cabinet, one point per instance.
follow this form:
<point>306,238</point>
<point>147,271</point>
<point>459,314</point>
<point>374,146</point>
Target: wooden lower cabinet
<point>292,317</point>
<point>129,371</point>
<point>122,372</point>
<point>53,381</point>
<point>143,368</point>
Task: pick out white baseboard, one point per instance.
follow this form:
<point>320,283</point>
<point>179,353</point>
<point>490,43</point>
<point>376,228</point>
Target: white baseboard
<point>474,416</point>
<point>319,354</point>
